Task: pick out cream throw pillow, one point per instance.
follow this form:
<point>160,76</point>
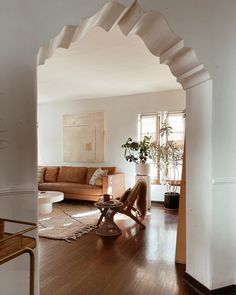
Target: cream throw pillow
<point>99,173</point>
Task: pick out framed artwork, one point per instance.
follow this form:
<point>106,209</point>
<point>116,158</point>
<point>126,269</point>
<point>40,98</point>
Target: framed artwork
<point>84,137</point>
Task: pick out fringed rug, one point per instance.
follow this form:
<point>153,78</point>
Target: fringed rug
<point>68,221</point>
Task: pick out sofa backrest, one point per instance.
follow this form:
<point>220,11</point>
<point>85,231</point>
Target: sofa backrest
<point>69,174</point>
<point>72,174</point>
<point>51,174</point>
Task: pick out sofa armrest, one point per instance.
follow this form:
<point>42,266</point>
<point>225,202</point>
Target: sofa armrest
<point>98,182</point>
<point>113,184</point>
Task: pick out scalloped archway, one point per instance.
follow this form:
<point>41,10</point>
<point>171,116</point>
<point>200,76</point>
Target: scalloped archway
<point>183,62</point>
<point>151,27</point>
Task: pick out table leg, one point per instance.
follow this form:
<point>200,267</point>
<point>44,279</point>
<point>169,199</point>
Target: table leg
<point>108,227</point>
<point>103,214</point>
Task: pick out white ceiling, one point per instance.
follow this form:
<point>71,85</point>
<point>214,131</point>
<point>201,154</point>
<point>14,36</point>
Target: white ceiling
<point>102,65</point>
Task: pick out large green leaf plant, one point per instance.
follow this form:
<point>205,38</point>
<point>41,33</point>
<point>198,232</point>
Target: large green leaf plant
<point>139,151</point>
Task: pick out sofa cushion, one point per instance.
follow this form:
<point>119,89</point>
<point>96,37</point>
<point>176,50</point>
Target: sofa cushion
<point>71,188</point>
<point>51,174</point>
<point>72,174</point>
<point>91,170</point>
<point>41,172</point>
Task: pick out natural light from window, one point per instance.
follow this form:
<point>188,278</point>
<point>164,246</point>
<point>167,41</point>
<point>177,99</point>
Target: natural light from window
<point>150,124</point>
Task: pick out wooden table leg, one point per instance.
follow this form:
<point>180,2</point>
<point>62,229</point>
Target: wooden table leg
<point>103,214</point>
<point>108,227</point>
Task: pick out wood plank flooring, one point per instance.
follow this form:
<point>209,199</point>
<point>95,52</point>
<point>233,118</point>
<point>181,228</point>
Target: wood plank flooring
<point>137,262</point>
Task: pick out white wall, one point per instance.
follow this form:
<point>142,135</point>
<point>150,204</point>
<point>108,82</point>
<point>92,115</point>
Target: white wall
<point>206,26</point>
<point>121,122</point>
<point>199,170</point>
<point>224,220</point>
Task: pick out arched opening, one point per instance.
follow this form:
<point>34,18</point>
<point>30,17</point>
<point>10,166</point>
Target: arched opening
<point>185,66</point>
<point>100,70</point>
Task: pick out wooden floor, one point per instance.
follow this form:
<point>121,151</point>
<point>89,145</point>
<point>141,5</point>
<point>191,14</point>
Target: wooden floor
<point>138,262</point>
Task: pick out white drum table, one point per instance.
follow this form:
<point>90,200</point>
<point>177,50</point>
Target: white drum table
<point>46,198</point>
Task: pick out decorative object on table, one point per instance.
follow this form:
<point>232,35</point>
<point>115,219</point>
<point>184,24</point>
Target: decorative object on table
<point>107,197</point>
<point>169,156</point>
<point>134,202</point>
<point>84,137</point>
<point>68,220</point>
<point>108,209</point>
<point>140,152</point>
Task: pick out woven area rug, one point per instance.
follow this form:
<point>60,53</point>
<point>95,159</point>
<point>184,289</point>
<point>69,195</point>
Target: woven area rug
<point>68,221</point>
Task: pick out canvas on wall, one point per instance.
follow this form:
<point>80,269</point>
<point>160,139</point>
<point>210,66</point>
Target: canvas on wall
<point>84,137</point>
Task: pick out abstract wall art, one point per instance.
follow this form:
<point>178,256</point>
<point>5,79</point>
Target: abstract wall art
<point>84,137</point>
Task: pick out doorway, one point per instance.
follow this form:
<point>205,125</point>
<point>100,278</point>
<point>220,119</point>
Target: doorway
<point>104,72</point>
<point>192,75</point>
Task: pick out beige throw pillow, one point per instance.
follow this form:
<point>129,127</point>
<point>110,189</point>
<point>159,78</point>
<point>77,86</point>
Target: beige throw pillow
<point>99,173</point>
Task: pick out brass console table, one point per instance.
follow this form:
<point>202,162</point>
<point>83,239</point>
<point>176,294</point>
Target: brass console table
<point>13,245</point>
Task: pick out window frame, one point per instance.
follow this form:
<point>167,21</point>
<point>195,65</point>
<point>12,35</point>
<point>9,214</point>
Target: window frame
<point>159,119</point>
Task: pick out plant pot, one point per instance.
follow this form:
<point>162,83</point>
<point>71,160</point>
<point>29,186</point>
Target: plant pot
<point>142,169</point>
<point>171,201</point>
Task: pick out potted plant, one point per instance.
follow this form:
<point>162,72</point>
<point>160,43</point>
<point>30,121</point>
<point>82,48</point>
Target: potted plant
<point>139,152</point>
<point>169,156</point>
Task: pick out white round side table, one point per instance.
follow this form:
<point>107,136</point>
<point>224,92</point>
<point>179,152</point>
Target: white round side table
<point>46,198</point>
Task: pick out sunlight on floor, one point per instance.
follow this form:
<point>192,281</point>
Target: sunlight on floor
<point>120,216</point>
<point>86,214</point>
<point>42,229</point>
<point>45,218</point>
<point>67,224</point>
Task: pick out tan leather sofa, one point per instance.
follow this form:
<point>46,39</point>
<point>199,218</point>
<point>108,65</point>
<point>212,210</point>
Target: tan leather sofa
<point>74,182</point>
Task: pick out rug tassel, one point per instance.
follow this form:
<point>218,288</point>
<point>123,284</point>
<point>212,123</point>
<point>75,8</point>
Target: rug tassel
<point>80,233</point>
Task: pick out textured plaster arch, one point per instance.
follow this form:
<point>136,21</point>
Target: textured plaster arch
<point>151,27</point>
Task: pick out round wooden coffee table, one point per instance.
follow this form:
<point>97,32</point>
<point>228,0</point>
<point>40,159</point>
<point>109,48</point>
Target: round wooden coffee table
<point>46,198</point>
<point>108,209</point>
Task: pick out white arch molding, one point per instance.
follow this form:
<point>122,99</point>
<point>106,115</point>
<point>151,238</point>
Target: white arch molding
<point>151,27</point>
<point>183,62</point>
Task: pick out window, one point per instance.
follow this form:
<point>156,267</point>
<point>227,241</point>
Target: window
<point>150,124</point>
